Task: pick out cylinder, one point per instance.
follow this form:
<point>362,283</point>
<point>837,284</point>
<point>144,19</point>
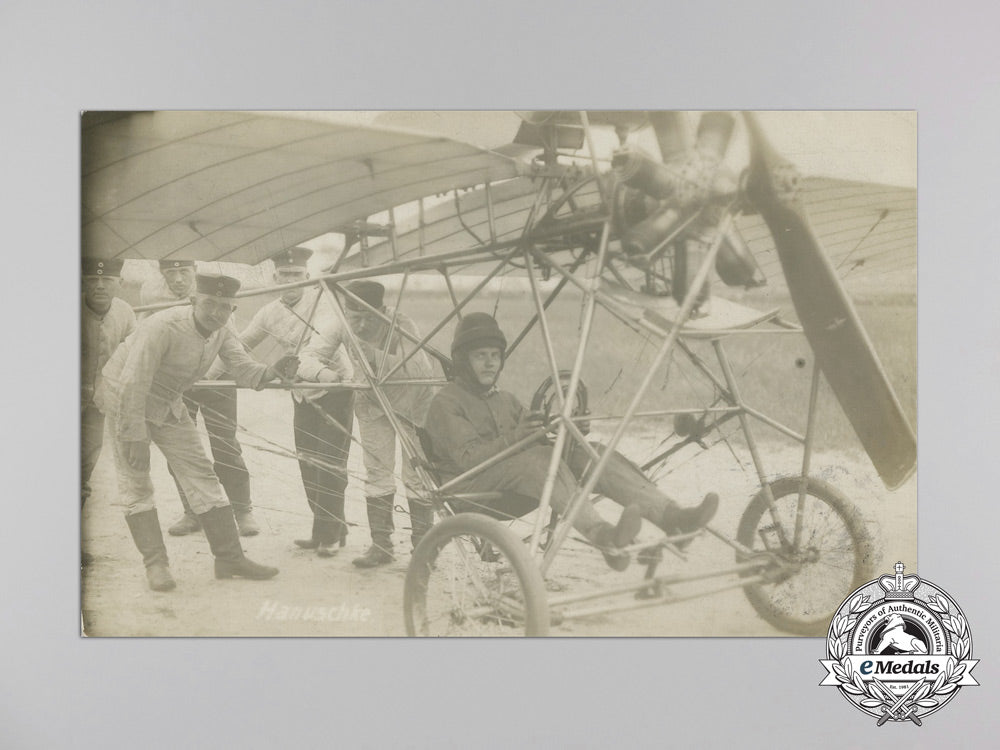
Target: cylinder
<point>735,263</point>
<point>641,171</point>
<point>688,255</point>
<point>645,236</point>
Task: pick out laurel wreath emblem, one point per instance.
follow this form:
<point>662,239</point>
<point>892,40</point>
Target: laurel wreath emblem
<point>925,696</point>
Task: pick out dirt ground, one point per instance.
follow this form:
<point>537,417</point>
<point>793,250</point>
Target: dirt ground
<point>330,597</point>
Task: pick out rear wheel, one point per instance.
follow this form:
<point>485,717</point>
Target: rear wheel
<point>471,576</point>
<point>823,548</point>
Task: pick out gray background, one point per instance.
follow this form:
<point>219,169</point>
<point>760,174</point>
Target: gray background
<point>57,58</point>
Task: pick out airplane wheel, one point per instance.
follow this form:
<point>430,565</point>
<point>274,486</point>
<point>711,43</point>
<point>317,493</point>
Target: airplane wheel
<point>471,576</point>
<point>834,556</point>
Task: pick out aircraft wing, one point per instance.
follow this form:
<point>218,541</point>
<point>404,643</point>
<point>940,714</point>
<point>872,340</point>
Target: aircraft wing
<point>868,230</point>
<point>454,225</point>
<point>239,186</point>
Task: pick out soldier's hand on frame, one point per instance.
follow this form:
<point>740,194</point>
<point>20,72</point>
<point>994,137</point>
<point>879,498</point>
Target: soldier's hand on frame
<point>285,368</point>
<point>326,375</point>
<point>137,454</point>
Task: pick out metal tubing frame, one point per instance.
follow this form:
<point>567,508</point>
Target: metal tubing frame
<point>392,327</point>
<point>392,234</point>
<point>665,579</point>
<point>724,390</point>
<point>308,385</point>
<point>758,462</point>
<point>420,263</point>
<point>683,314</point>
<point>548,301</point>
<point>308,323</point>
<point>773,423</point>
<point>551,354</point>
<point>492,460</point>
<point>658,601</point>
<point>543,325</point>
<point>461,221</point>
<point>454,312</point>
<point>451,288</point>
<point>567,407</point>
<point>420,343</point>
<point>411,453</point>
<point>490,217</point>
<point>807,453</point>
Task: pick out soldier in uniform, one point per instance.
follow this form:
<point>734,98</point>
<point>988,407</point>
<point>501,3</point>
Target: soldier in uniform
<point>383,348</point>
<point>322,419</point>
<point>218,409</point>
<point>142,391</point>
<point>105,322</point>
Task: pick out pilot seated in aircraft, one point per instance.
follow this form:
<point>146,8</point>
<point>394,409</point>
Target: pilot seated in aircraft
<point>470,420</point>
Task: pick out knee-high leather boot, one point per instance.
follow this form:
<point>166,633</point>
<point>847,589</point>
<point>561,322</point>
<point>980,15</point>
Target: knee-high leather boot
<point>421,519</point>
<point>148,538</point>
<point>224,539</point>
<point>380,521</point>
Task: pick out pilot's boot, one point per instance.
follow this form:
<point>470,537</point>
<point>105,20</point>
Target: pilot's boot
<point>224,539</point>
<point>610,539</point>
<point>145,528</point>
<point>678,520</point>
<point>380,521</point>
<point>421,519</point>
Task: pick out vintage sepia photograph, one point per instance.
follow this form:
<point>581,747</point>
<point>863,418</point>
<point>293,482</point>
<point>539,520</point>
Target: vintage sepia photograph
<point>493,373</point>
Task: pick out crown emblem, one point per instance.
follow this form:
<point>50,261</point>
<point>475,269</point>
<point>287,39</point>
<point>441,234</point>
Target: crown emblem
<point>898,586</point>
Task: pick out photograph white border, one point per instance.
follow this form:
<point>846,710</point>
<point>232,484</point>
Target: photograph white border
<point>61,57</point>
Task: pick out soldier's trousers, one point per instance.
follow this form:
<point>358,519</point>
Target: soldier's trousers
<point>323,449</point>
<point>179,442</point>
<point>218,407</point>
<point>91,441</point>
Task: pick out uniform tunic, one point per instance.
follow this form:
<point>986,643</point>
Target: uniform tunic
<point>322,447</point>
<point>142,389</point>
<point>410,402</point>
<point>100,336</point>
<point>218,407</point>
<point>281,326</point>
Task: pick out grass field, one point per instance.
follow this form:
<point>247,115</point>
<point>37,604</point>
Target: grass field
<point>774,370</point>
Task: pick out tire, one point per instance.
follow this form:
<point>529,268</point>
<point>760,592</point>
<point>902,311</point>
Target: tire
<point>451,589</point>
<point>836,555</point>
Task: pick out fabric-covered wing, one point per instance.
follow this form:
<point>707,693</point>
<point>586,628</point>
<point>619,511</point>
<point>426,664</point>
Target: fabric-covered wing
<point>451,225</point>
<point>239,186</point>
<point>869,231</point>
